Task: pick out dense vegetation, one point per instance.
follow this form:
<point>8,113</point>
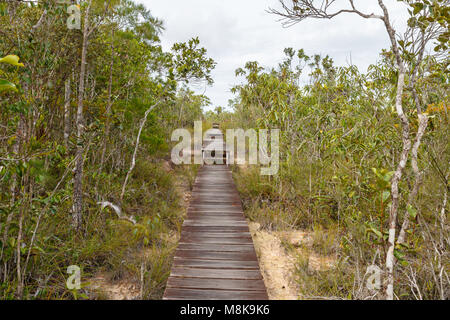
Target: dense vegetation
<point>86,117</point>
<point>363,164</point>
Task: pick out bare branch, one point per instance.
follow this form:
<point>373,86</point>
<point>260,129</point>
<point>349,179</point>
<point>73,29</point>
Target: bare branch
<point>294,11</point>
<point>133,159</point>
<point>117,210</point>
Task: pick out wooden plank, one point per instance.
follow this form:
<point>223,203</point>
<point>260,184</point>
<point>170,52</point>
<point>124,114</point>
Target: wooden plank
<point>228,284</point>
<point>216,215</point>
<point>195,222</point>
<point>217,220</point>
<point>231,211</point>
<point>221,235</point>
<point>216,188</point>
<point>216,197</point>
<point>223,187</point>
<point>216,206</point>
<point>201,216</point>
<point>217,234</point>
<point>215,273</point>
<point>213,192</point>
<point>221,229</point>
<point>216,202</point>
<point>216,240</point>
<point>202,294</point>
<point>207,179</point>
<point>222,210</point>
<point>226,208</point>
<point>215,257</point>
<point>248,247</point>
<point>211,255</point>
<point>215,264</point>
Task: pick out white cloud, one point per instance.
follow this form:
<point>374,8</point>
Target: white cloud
<point>237,31</point>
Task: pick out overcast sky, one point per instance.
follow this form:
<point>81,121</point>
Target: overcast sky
<point>237,31</point>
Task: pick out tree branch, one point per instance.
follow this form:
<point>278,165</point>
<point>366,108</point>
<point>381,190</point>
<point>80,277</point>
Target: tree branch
<point>299,10</point>
<point>133,159</point>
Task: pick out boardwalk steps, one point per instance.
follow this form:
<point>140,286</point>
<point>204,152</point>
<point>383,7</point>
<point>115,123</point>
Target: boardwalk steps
<point>215,258</point>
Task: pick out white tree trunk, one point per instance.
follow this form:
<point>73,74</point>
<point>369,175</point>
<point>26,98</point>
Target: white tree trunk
<point>78,178</point>
<point>423,121</point>
<point>133,159</point>
<point>390,259</point>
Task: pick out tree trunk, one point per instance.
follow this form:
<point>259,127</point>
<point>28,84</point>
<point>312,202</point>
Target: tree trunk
<point>133,159</point>
<point>67,126</point>
<point>19,290</point>
<point>394,187</point>
<point>406,142</point>
<point>78,177</point>
<point>423,121</point>
<point>20,137</point>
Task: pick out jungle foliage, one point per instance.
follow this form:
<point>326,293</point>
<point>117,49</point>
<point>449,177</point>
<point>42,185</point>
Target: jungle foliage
<point>96,103</point>
<point>342,138</point>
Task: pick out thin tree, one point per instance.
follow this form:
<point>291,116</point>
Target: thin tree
<point>78,176</point>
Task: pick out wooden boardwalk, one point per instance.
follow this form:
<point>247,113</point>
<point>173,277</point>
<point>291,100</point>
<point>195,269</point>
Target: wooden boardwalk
<point>215,258</point>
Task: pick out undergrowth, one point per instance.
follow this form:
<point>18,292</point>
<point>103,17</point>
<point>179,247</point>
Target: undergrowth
<point>109,245</point>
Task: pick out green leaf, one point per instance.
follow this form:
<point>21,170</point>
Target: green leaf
<point>37,249</point>
<point>387,177</point>
<point>84,296</point>
<point>386,195</point>
<point>412,211</point>
<point>5,85</point>
<point>12,59</point>
<point>400,257</point>
<point>417,7</point>
<point>374,170</point>
<point>376,232</point>
<point>404,245</point>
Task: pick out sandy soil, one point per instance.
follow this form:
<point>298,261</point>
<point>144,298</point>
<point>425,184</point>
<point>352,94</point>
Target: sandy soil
<point>303,239</point>
<point>278,264</point>
<point>121,290</point>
